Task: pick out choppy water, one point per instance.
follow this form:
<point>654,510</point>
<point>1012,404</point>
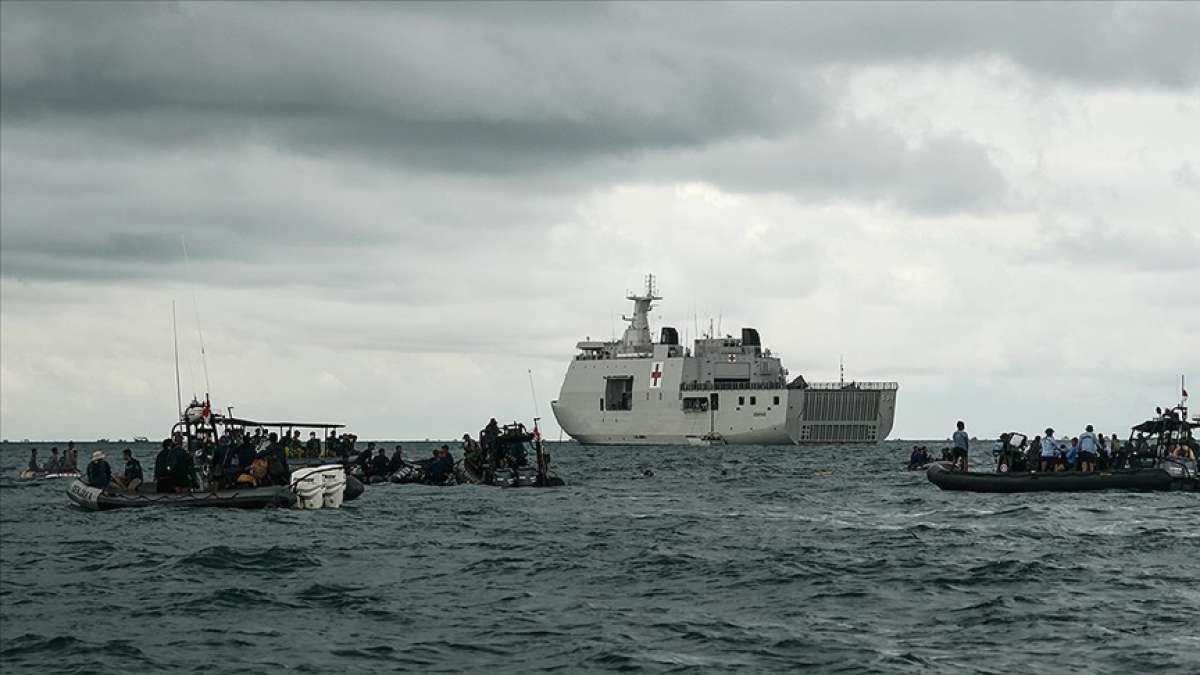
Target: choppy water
<point>763,559</point>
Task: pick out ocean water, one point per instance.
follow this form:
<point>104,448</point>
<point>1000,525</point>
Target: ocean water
<point>759,559</point>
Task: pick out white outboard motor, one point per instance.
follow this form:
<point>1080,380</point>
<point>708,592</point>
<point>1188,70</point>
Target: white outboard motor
<point>335,484</point>
<point>309,486</point>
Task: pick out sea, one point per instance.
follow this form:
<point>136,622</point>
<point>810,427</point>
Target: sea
<point>650,559</point>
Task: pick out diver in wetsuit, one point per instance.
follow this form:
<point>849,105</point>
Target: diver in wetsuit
<point>363,460</point>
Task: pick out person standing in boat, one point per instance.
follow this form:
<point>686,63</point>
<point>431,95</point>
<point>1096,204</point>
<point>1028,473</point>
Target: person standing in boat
<point>33,461</point>
<point>1089,449</point>
<point>131,479</point>
<point>312,449</point>
<point>99,473</point>
<point>1049,452</point>
<point>164,481</point>
<point>961,443</point>
<point>182,466</point>
<point>70,458</point>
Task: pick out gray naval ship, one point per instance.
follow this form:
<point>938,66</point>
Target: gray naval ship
<point>635,391</point>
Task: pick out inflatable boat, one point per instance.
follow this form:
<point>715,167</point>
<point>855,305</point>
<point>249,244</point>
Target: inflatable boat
<point>95,499</point>
<point>310,488</point>
<point>1135,480</point>
<point>33,475</point>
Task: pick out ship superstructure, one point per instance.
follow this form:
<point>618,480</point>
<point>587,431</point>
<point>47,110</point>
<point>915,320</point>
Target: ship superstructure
<point>724,389</point>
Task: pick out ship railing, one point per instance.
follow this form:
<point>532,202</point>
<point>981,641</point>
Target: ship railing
<point>732,386</point>
<point>868,386</point>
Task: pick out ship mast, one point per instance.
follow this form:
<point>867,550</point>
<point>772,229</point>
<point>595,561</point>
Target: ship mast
<point>637,336</point>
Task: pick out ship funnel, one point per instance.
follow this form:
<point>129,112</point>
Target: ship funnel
<point>670,336</point>
<point>750,338</point>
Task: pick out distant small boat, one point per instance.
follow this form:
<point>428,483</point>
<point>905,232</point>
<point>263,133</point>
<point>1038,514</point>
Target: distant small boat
<point>33,475</point>
<point>140,439</point>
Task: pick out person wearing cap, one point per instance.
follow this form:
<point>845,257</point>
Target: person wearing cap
<point>1049,452</point>
<point>131,479</point>
<point>99,473</point>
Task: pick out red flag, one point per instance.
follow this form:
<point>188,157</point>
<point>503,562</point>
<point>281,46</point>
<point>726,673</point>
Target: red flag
<point>207,412</point>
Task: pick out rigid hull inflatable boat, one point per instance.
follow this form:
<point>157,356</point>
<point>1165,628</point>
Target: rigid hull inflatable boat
<point>1134,480</point>
<point>311,488</point>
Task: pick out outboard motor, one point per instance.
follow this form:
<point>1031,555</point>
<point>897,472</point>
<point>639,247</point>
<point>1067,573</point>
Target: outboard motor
<point>309,486</point>
<point>670,336</point>
<point>335,485</point>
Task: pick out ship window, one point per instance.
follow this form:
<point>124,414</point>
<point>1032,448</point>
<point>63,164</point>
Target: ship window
<point>753,400</point>
<point>619,392</point>
<point>695,404</point>
<point>776,399</point>
<point>741,400</point>
<point>714,401</point>
<point>602,404</point>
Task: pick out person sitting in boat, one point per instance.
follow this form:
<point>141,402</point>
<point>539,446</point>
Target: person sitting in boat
<point>54,464</point>
<point>916,459</point>
<point>131,479</point>
<point>397,461</point>
<point>278,472</point>
<point>1033,453</point>
<point>362,461</point>
<point>99,473</point>
<point>1049,452</point>
<point>441,468</point>
<point>312,449</point>
<point>379,464</point>
<point>1089,449</point>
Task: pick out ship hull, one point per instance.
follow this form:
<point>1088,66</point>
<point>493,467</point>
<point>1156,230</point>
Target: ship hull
<point>663,415</point>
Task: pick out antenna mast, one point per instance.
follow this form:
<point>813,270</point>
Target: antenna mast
<point>196,307</point>
<point>842,370</point>
<point>533,393</point>
<point>175,333</point>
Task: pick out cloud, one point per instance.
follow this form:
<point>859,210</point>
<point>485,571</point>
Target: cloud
<point>394,212</point>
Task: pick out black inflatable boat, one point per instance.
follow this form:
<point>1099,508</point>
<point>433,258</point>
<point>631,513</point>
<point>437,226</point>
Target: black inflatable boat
<point>94,499</point>
<point>1135,480</point>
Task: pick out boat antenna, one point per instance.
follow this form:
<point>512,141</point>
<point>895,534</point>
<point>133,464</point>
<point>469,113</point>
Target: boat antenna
<point>533,393</point>
<point>175,333</point>
<point>196,306</point>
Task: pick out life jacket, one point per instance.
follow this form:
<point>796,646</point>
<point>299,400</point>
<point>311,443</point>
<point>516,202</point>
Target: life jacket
<point>258,469</point>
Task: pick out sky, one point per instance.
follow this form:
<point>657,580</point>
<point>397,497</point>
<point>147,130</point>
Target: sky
<point>402,217</point>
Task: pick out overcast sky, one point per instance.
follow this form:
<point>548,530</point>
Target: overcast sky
<point>394,212</point>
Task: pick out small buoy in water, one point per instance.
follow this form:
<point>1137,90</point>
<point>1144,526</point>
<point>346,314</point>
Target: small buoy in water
<point>648,473</point>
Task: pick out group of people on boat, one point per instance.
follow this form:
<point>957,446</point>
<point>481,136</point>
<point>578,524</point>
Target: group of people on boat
<point>1088,452</point>
<point>100,475</point>
<point>67,462</point>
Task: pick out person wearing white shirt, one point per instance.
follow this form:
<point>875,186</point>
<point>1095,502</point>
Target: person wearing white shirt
<point>1089,449</point>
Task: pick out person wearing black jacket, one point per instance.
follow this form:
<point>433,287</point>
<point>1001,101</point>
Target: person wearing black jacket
<point>397,461</point>
<point>164,469</point>
<point>99,473</point>
<point>379,464</point>
<point>131,479</point>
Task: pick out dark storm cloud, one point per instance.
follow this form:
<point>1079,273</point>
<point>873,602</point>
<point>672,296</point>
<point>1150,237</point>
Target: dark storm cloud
<point>520,87</point>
